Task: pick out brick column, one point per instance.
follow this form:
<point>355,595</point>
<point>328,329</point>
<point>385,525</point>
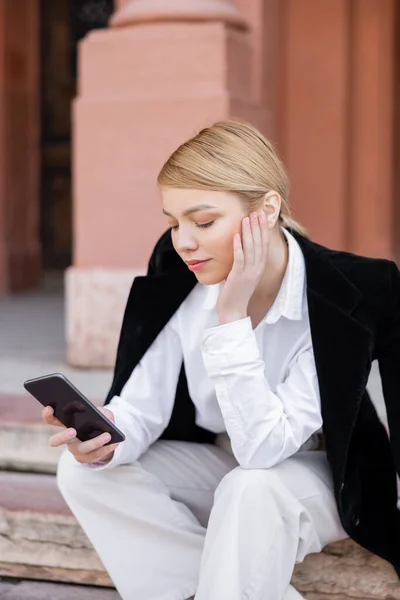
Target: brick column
<point>164,69</point>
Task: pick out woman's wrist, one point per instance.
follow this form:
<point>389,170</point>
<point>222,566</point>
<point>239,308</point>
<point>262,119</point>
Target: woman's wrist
<point>105,459</point>
<point>231,316</point>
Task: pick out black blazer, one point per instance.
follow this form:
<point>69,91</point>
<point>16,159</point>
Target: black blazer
<point>354,310</point>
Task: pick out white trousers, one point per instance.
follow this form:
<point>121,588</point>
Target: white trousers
<point>186,520</point>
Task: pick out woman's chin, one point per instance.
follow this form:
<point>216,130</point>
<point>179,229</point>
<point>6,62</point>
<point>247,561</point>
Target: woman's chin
<point>210,278</point>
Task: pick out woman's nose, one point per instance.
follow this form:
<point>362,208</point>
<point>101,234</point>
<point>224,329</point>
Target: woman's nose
<point>185,241</point>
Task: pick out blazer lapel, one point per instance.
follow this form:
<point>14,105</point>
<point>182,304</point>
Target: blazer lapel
<point>155,299</point>
<point>342,345</point>
<point>152,301</point>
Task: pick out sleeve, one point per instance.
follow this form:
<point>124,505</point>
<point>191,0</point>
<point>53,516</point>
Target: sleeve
<point>143,409</point>
<point>388,356</point>
<point>264,427</point>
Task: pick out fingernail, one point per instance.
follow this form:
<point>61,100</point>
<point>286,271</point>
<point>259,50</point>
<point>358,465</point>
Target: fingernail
<point>263,216</point>
<point>47,410</point>
<point>71,433</point>
<point>247,221</point>
<point>254,216</point>
<point>106,437</point>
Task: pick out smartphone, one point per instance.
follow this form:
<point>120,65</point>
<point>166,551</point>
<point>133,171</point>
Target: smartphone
<point>72,408</point>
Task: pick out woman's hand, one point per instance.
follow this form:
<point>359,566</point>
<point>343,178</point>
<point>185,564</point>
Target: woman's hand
<point>84,452</point>
<point>249,260</point>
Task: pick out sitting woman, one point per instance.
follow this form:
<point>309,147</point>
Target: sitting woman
<point>244,346</point>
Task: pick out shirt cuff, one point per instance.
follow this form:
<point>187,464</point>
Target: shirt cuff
<point>229,346</point>
<point>108,464</point>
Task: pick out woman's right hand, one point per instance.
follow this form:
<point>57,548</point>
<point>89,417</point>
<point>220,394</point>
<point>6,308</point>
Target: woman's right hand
<point>84,452</point>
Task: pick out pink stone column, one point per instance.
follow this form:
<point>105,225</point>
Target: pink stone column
<point>371,156</point>
<point>266,20</point>
<point>337,127</point>
<point>315,127</point>
<point>163,70</point>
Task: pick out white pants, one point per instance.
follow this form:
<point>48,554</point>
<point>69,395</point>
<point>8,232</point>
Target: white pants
<point>186,519</point>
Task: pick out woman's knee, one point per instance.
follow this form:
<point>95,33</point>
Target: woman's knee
<point>258,492</point>
<point>259,481</point>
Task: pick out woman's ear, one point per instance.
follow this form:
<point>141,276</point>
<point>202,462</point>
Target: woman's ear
<point>272,208</point>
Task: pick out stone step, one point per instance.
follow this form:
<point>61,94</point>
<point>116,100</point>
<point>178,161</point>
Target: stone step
<point>40,539</point>
<point>41,590</point>
<point>24,438</point>
<point>345,570</point>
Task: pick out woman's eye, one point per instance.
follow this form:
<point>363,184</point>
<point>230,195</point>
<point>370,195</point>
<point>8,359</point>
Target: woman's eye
<point>204,224</point>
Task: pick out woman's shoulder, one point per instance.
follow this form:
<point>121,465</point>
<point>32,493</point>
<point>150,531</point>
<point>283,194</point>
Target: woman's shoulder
<point>373,276</point>
<point>357,265</point>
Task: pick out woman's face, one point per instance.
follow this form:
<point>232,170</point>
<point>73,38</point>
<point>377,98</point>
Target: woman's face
<point>204,224</point>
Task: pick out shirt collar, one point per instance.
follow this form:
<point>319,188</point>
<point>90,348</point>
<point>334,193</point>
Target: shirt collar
<point>211,295</point>
<point>290,299</point>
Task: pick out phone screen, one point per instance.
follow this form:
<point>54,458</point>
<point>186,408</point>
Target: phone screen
<point>71,408</point>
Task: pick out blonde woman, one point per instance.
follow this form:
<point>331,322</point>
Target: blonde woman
<point>243,347</point>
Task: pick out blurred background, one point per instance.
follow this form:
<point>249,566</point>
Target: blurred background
<point>95,95</point>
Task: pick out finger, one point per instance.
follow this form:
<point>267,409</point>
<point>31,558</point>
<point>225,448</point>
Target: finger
<point>257,239</point>
<point>49,418</point>
<point>238,257</point>
<point>89,446</point>
<point>108,413</point>
<point>248,246</point>
<point>64,437</point>
<point>96,455</point>
<point>264,235</point>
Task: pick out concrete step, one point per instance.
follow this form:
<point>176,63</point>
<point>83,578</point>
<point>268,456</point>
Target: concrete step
<point>40,539</point>
<point>345,570</point>
<point>41,590</point>
<point>24,438</point>
<point>330,597</point>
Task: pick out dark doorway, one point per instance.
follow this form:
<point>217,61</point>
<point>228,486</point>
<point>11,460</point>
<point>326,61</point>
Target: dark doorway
<point>63,24</point>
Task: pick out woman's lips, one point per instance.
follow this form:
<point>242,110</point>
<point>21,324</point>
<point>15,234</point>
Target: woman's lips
<point>197,265</point>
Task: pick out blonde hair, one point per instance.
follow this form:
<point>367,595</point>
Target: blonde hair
<point>234,157</point>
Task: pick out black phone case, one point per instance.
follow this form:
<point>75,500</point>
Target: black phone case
<point>72,408</point>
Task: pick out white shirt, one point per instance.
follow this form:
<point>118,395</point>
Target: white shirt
<point>259,386</point>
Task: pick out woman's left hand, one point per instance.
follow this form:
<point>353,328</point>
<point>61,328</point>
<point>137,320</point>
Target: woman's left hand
<point>249,260</point>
